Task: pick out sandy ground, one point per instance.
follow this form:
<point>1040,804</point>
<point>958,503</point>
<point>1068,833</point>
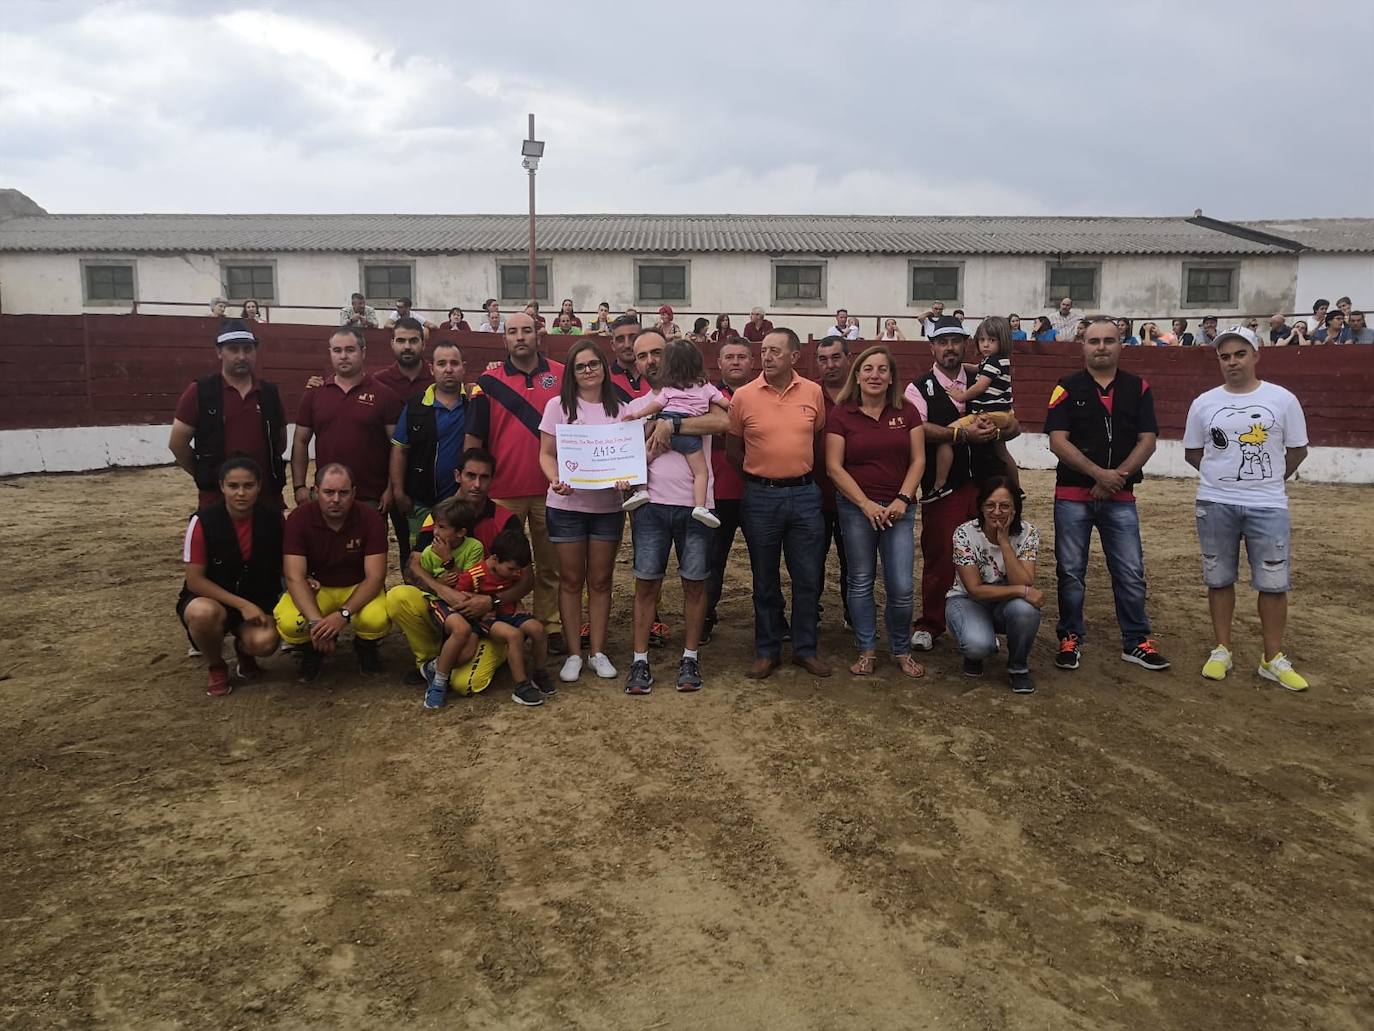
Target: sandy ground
<point>1120,850</point>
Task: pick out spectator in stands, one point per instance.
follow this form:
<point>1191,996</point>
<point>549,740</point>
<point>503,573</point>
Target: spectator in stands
<point>456,322</point>
<point>219,307</point>
<point>1319,309</point>
<point>875,456</point>
<point>958,313</point>
<point>564,326</point>
<point>1359,332</point>
<point>229,412</point>
<point>1278,328</point>
<point>334,565</point>
<point>601,326</point>
<point>1017,333</point>
<point>931,316</point>
<point>666,327</point>
<point>532,310</point>
<point>358,313</point>
<point>1244,497</point>
<point>232,554</point>
<point>1185,339</point>
<point>403,311</point>
<point>994,590</point>
<point>585,525</point>
<point>1334,332</point>
<point>723,332</point>
<point>1208,336</point>
<point>757,327</point>
<point>735,360</point>
<point>505,421</point>
<point>251,312</point>
<point>1064,321</point>
<point>351,417</point>
<point>1044,332</point>
<point>891,331</point>
<point>1102,429</point>
<point>493,323</point>
<point>1149,335</point>
<point>1080,331</point>
<point>1298,337</point>
<point>844,326</point>
<point>666,524</point>
<point>567,309</point>
<point>1344,304</point>
<point>1128,339</point>
<point>974,460</point>
<point>773,422</point>
<point>699,334</point>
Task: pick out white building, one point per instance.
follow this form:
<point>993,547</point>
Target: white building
<point>799,268</point>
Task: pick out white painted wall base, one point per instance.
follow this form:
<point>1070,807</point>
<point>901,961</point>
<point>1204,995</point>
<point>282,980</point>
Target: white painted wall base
<point>81,449</point>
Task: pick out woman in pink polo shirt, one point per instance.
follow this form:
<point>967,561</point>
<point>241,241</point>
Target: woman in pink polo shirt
<point>584,525</point>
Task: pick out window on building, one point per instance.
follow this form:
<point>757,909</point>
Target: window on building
<point>1078,281</point>
<point>936,282</point>
<point>108,282</point>
<point>515,282</point>
<point>658,282</point>
<point>798,284</point>
<point>242,281</point>
<point>384,282</point>
<point>1206,285</point>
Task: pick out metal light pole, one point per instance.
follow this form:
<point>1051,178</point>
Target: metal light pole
<point>532,150</point>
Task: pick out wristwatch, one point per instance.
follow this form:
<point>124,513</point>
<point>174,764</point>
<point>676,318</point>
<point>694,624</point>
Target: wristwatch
<point>348,616</point>
<point>904,498</point>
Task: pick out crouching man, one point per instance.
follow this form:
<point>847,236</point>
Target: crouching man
<point>334,563</point>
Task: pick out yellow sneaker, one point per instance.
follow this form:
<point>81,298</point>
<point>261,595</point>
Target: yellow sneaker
<point>1218,664</point>
<point>1280,669</point>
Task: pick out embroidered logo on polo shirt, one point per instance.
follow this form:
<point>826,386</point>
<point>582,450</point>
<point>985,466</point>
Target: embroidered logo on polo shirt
<point>367,399</point>
<point>896,422</point>
<point>354,543</point>
<point>548,380</point>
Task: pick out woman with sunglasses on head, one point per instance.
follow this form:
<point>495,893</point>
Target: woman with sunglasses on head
<point>585,525</point>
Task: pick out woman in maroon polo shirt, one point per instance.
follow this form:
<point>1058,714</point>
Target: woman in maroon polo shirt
<point>875,455</point>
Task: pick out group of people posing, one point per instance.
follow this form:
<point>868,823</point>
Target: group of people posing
<point>501,558</point>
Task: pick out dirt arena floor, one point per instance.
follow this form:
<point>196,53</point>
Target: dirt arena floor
<point>1120,850</point>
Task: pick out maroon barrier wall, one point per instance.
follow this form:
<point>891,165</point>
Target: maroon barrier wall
<point>105,370</point>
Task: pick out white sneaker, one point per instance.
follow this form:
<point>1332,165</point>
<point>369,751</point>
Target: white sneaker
<point>922,641</point>
<point>705,516</point>
<point>572,669</point>
<point>602,667</point>
<point>192,652</point>
<point>638,499</point>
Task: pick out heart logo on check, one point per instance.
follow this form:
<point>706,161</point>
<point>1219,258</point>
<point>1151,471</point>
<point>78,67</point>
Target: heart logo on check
<point>572,466</point>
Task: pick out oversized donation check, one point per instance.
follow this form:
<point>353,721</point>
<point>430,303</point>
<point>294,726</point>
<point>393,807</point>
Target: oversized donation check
<point>594,457</point>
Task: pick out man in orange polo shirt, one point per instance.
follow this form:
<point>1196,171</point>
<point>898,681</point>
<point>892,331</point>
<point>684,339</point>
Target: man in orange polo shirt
<point>773,425</point>
<point>505,420</point>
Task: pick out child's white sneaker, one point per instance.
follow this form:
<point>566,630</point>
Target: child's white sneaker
<point>705,516</point>
<point>602,667</point>
<point>638,499</point>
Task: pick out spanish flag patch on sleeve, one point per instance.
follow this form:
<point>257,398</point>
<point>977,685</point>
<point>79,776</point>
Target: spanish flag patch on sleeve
<point>1058,395</point>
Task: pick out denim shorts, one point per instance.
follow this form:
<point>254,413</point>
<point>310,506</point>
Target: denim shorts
<point>567,526</point>
<point>659,528</point>
<point>682,443</point>
<point>1220,528</point>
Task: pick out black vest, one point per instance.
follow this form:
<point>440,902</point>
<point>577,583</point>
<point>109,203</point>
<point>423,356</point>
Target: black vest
<point>970,461</point>
<point>422,427</point>
<point>208,443</point>
<point>1105,440</point>
<point>259,579</point>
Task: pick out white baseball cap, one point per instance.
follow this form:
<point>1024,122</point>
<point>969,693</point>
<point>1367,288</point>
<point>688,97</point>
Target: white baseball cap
<point>1238,331</point>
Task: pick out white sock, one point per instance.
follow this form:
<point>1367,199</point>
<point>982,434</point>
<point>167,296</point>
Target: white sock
<point>689,653</point>
<point>641,657</point>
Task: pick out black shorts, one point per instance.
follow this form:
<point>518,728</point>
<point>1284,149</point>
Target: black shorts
<point>233,618</point>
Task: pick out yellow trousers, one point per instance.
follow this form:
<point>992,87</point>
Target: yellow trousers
<point>530,511</point>
<point>409,610</point>
<point>371,624</point>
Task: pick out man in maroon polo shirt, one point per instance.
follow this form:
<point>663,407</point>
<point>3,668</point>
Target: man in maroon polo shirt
<point>625,377</point>
<point>341,546</point>
<point>757,327</point>
<point>231,412</point>
<point>832,368</point>
<point>408,375</point>
<point>351,419</point>
<point>504,420</point>
<point>736,361</point>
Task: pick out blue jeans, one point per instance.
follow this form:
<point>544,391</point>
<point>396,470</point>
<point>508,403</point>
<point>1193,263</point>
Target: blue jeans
<point>784,522</point>
<point>975,625</point>
<point>1118,527</point>
<point>863,546</point>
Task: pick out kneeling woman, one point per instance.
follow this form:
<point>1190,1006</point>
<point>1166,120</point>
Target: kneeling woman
<point>994,591</point>
<point>233,575</point>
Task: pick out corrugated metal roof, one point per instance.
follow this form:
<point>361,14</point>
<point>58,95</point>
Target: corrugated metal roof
<point>770,234</point>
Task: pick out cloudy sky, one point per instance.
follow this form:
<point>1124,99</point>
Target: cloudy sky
<point>1246,109</point>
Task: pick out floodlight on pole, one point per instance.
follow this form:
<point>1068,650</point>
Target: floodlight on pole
<point>532,150</point>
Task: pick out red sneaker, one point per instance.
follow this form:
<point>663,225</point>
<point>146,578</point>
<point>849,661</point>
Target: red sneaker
<point>219,681</point>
